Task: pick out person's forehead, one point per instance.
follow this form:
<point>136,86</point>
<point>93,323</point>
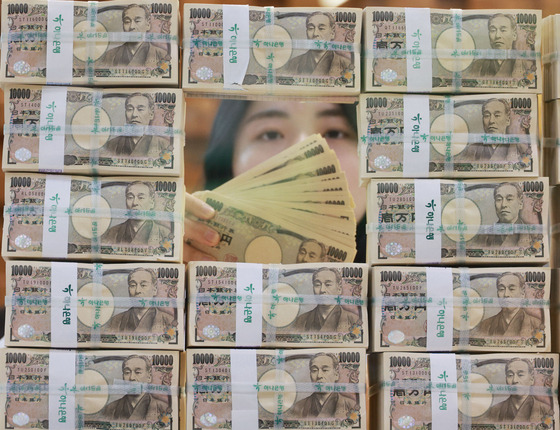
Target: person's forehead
<point>506,189</point>
<point>134,362</point>
<point>135,11</point>
<point>141,274</point>
<point>138,100</point>
<point>311,246</point>
<point>139,188</point>
<point>500,21</point>
<point>325,274</point>
<point>518,365</point>
<point>322,360</point>
<point>494,105</point>
<point>509,279</point>
<point>320,18</point>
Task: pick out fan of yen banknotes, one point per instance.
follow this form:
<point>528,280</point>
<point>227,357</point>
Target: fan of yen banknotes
<point>313,218</point>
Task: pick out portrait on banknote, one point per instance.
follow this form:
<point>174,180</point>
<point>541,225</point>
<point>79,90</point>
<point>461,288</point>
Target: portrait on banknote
<point>142,283</point>
<point>136,407</point>
<point>320,26</point>
<point>502,34</point>
<point>135,18</point>
<point>139,111</point>
<point>521,407</point>
<point>324,368</point>
<point>138,196</point>
<point>508,203</point>
<point>512,320</point>
<point>496,119</point>
<point>326,317</point>
<point>311,251</point>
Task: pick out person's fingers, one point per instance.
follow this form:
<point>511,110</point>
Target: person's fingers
<point>198,208</point>
<point>193,254</point>
<point>201,233</point>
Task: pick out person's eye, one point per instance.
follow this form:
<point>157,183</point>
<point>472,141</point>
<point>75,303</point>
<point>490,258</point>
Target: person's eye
<point>270,135</point>
<point>335,134</point>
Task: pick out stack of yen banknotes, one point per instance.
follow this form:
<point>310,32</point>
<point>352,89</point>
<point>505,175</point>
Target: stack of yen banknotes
<point>237,50</point>
<point>91,218</point>
<point>271,389</point>
<point>476,221</point>
<point>295,305</point>
<point>461,309</point>
<point>491,391</point>
<point>85,43</point>
<point>94,305</point>
<point>60,389</point>
<point>313,210</point>
<point>551,64</point>
<point>126,131</point>
<point>453,50</point>
<point>490,135</point>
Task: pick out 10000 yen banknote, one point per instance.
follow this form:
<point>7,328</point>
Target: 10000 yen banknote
<point>551,57</point>
<point>448,391</point>
<point>284,51</point>
<point>97,305</point>
<point>119,218</point>
<point>551,141</point>
<point>449,51</point>
<point>118,131</point>
<point>267,389</point>
<point>482,221</point>
<point>471,136</point>
<point>60,389</point>
<point>303,305</point>
<point>83,43</point>
<point>498,309</point>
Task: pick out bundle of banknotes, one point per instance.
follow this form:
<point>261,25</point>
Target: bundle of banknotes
<point>77,217</point>
<point>125,131</point>
<point>404,135</point>
<point>94,305</point>
<point>461,309</point>
<point>476,221</point>
<point>450,51</point>
<point>551,57</point>
<point>238,50</point>
<point>304,388</point>
<point>296,305</point>
<point>448,391</point>
<point>90,43</point>
<point>313,218</point>
<point>551,141</point>
<point>62,390</point>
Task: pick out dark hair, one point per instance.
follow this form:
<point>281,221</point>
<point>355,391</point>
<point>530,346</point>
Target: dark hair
<point>218,159</point>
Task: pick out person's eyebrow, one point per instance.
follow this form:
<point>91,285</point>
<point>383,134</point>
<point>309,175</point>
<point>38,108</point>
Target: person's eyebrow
<point>266,114</point>
<point>330,112</point>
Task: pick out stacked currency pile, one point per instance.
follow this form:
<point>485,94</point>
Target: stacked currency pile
<point>456,391</point>
<point>313,208</point>
<point>115,43</point>
<point>498,309</point>
<point>86,131</point>
<point>295,305</point>
<point>497,217</point>
<point>60,389</point>
<point>301,388</point>
<point>135,216</point>
<point>450,51</point>
<point>236,51</point>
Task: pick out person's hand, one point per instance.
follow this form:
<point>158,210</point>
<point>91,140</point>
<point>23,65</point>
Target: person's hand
<point>197,232</point>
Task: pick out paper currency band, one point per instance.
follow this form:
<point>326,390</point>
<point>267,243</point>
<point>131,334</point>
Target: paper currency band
<point>471,387</point>
<point>450,54</point>
<point>303,299</point>
<point>244,405</point>
<point>91,36</point>
<point>94,213</point>
<point>249,43</point>
<point>550,142</point>
<point>248,319</point>
<point>86,301</point>
<point>84,389</point>
<point>551,57</point>
<point>299,387</point>
<point>453,137</point>
<point>94,129</point>
<point>496,229</point>
<point>472,302</point>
